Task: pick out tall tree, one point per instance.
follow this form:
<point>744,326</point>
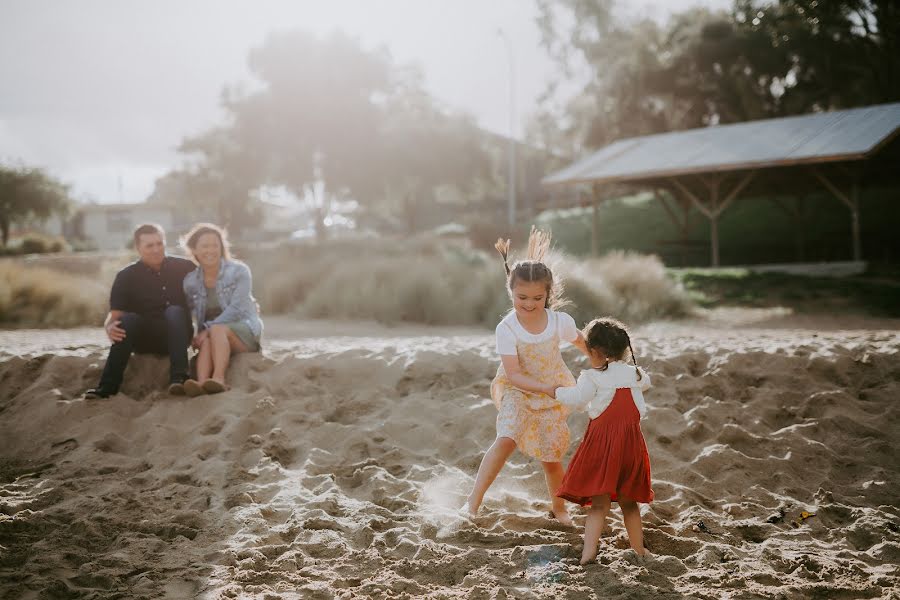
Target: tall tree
<point>27,193</point>
<point>314,122</point>
<point>426,156</point>
<point>764,59</point>
<point>841,53</point>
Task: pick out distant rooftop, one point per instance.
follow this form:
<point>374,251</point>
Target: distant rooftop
<point>821,137</point>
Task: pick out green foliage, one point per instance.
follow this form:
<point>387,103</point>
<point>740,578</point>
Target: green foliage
<point>753,230</point>
<point>27,193</point>
<point>764,59</point>
<point>872,293</point>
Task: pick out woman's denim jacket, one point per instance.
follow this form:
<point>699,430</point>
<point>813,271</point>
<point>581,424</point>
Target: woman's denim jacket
<point>233,287</point>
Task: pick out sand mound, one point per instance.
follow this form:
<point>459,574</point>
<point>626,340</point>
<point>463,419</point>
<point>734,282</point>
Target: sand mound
<point>334,467</point>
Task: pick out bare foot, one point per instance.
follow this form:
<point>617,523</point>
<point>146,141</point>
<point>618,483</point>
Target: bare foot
<point>563,517</point>
<point>643,555</point>
<point>470,508</point>
<point>588,557</point>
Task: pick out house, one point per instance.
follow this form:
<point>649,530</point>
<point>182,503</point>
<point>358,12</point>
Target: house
<point>111,226</point>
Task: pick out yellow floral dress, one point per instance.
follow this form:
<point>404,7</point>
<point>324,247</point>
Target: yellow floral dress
<point>536,422</point>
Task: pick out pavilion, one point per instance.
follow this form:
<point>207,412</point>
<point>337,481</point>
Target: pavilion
<point>709,168</point>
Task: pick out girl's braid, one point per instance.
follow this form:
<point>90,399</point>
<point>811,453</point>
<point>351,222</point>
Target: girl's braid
<point>633,357</point>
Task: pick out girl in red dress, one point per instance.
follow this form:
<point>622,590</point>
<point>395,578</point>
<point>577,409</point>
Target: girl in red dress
<point>611,464</point>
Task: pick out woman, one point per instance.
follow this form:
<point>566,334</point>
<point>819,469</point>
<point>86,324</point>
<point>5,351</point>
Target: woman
<point>219,295</point>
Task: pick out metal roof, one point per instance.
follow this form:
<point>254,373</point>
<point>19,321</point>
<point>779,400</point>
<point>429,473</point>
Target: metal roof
<point>838,135</point>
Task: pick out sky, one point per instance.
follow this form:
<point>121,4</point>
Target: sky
<point>101,92</point>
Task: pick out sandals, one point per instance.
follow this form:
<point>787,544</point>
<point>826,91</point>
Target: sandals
<point>193,388</point>
<point>211,386</point>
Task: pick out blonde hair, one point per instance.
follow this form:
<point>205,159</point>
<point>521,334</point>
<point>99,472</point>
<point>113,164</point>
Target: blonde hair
<point>191,238</point>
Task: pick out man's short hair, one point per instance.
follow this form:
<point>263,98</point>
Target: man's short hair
<point>148,228</point>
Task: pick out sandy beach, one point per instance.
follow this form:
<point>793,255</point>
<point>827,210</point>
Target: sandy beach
<point>335,466</point>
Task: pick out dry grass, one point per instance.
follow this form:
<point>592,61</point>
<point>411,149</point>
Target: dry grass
<point>629,286</point>
<point>425,281</point>
<point>417,281</point>
<point>39,297</point>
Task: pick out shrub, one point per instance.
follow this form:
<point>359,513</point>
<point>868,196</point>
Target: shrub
<point>427,281</point>
<point>40,244</point>
<point>37,297</point>
<point>629,286</point>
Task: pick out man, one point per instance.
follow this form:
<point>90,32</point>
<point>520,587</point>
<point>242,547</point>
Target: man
<point>148,313</point>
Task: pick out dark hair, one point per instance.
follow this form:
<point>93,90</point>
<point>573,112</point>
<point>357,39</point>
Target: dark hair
<point>611,337</point>
<point>190,239</point>
<point>145,229</point>
<point>533,268</point>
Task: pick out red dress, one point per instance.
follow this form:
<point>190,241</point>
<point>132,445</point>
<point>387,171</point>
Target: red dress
<point>612,457</point>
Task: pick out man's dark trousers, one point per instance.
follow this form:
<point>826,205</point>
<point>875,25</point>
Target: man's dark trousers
<point>169,334</point>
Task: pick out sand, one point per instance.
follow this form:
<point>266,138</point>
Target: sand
<point>335,466</point>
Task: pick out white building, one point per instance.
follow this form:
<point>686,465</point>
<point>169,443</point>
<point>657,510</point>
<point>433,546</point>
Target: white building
<point>111,226</point>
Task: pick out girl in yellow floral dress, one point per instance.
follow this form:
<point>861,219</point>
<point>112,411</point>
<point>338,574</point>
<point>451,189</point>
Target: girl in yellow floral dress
<point>531,368</point>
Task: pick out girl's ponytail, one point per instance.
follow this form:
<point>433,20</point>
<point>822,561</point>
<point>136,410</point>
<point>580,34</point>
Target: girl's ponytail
<point>502,247</point>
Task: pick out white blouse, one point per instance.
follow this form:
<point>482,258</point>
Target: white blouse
<point>594,390</point>
<point>509,330</point>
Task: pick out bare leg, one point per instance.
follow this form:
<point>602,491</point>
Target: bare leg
<point>593,527</point>
<point>631,515</point>
<point>204,361</point>
<point>224,343</point>
<point>553,473</point>
<point>491,464</point>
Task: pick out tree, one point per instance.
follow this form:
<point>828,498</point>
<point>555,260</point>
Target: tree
<point>426,156</point>
<point>839,54</point>
<point>29,193</point>
<point>221,182</point>
<point>333,121</point>
<point>314,124</point>
<point>764,59</point>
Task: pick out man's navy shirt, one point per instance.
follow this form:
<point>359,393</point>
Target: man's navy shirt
<point>139,289</point>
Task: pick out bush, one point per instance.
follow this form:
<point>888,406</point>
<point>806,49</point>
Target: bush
<point>37,297</point>
<point>40,244</point>
<point>427,281</point>
<point>629,286</point>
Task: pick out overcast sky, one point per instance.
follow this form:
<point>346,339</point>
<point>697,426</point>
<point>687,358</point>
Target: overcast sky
<point>101,92</point>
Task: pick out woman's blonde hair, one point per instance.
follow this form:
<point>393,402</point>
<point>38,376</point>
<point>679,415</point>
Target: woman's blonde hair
<point>191,238</point>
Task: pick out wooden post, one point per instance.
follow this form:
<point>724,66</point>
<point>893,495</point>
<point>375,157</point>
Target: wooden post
<point>712,212</point>
<point>852,202</point>
<point>595,221</point>
<point>681,222</point>
<point>854,216</point>
<point>713,186</point>
<point>797,213</point>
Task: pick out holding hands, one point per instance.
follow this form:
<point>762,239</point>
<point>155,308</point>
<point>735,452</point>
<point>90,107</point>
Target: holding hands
<point>114,331</point>
<point>199,339</point>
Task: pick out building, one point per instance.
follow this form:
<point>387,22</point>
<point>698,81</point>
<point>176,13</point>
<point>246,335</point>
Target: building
<point>110,226</point>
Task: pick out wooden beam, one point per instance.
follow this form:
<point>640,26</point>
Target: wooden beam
<point>669,209</point>
<point>854,218</point>
<point>595,221</point>
<point>714,221</point>
<point>834,189</point>
<point>737,190</point>
<point>693,198</point>
<point>852,202</point>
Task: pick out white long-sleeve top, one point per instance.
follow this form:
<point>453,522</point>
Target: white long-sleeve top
<point>594,390</point>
